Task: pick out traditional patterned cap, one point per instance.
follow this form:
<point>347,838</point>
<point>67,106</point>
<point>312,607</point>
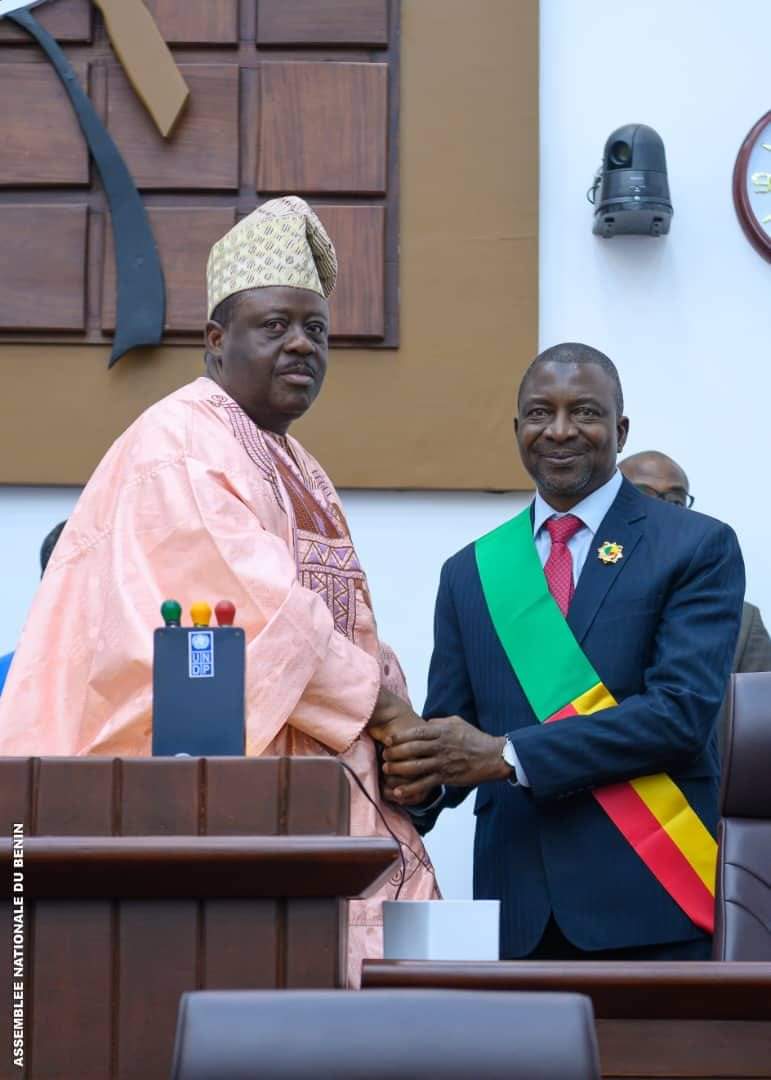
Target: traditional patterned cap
<point>280,243</point>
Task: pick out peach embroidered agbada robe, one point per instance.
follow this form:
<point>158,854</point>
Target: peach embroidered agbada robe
<point>195,502</point>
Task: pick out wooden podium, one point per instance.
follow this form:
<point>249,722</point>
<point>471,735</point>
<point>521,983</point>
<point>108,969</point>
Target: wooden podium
<point>144,878</point>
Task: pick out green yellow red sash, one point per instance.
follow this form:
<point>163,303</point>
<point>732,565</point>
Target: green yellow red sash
<point>651,812</point>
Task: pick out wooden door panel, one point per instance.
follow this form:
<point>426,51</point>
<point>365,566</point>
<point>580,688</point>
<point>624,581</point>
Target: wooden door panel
<point>46,290</point>
<point>196,22</point>
<point>203,152</point>
<point>322,22</point>
<point>357,304</point>
<point>323,128</point>
<point>47,148</point>
<point>184,237</point>
<point>66,20</point>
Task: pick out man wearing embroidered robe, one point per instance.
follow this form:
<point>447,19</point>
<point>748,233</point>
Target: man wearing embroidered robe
<point>581,655</point>
<point>206,495</point>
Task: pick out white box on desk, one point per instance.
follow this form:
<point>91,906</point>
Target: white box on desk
<point>441,929</point>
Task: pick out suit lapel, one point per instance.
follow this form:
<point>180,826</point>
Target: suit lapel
<point>623,524</point>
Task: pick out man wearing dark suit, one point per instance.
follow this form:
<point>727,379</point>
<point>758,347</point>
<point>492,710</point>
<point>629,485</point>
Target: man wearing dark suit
<point>657,475</point>
<point>653,599</point>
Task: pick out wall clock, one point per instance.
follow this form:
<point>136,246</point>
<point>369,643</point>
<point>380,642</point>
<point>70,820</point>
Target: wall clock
<point>752,186</point>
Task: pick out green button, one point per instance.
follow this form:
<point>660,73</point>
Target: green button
<point>171,612</point>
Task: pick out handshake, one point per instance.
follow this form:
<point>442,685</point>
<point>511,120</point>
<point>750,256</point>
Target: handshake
<point>420,755</point>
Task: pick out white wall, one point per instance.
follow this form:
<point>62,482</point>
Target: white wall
<point>27,515</point>
<point>687,318</point>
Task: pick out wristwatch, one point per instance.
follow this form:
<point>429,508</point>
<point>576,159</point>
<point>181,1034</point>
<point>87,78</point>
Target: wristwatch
<point>509,756</point>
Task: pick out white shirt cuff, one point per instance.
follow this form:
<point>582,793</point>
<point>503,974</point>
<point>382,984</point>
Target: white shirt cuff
<point>519,772</point>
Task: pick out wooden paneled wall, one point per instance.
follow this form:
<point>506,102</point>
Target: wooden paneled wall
<point>293,96</point>
<point>462,82</point>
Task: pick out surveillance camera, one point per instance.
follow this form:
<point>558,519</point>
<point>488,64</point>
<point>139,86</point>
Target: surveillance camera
<point>632,183</point>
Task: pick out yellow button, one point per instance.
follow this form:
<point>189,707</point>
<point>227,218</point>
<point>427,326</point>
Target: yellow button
<point>200,613</point>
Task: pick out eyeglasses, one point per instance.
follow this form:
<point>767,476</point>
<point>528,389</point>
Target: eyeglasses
<point>676,498</point>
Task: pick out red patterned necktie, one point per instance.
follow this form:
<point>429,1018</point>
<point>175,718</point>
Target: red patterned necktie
<point>559,565</point>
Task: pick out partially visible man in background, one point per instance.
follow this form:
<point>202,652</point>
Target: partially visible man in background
<point>657,475</point>
<point>46,550</point>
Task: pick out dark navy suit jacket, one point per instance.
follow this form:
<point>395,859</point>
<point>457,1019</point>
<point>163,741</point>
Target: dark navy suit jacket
<point>660,628</point>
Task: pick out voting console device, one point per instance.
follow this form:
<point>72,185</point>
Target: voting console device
<point>198,683</point>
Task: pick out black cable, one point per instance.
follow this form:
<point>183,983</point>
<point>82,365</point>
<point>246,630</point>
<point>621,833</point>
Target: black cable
<point>386,826</point>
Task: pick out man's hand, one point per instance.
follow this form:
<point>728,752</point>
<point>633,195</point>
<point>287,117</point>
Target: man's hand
<point>391,716</point>
<point>445,750</point>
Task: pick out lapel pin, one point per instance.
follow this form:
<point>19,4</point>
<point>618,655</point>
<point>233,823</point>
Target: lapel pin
<point>610,552</point>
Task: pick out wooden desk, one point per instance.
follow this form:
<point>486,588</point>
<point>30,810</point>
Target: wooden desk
<point>705,1020</point>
